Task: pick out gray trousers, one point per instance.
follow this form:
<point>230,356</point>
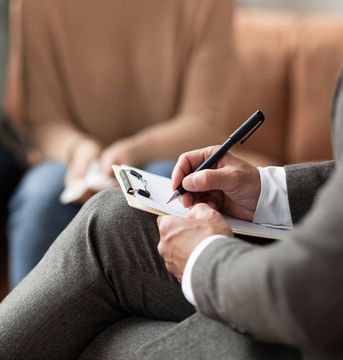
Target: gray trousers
<point>102,292</point>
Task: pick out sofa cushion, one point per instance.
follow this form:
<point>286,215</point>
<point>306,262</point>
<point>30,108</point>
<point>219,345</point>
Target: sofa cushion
<point>260,78</point>
<point>286,65</point>
<point>316,61</point>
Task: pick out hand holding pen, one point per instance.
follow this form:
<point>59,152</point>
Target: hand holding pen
<point>215,176</point>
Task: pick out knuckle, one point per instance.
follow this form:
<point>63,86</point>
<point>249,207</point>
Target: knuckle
<point>194,209</point>
<point>164,223</point>
<point>201,180</point>
<point>200,210</point>
<point>169,266</point>
<point>236,176</point>
<point>182,160</point>
<point>207,177</point>
<point>182,157</point>
<point>161,248</point>
<point>199,207</point>
<point>159,220</point>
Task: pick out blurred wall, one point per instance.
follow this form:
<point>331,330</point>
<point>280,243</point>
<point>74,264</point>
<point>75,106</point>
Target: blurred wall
<point>3,43</point>
<point>328,6</point>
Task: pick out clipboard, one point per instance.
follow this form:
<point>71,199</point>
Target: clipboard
<point>131,198</point>
<point>160,189</point>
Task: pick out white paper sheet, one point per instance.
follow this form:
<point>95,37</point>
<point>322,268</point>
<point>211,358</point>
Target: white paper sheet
<point>161,190</point>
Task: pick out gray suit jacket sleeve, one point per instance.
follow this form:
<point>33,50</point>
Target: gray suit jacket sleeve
<point>303,182</point>
<point>291,291</point>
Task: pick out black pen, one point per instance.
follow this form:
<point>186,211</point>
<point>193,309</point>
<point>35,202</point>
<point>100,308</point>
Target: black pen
<point>240,135</point>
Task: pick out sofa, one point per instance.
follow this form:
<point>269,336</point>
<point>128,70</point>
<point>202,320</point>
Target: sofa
<point>285,65</point>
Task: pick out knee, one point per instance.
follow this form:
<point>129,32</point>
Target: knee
<point>110,215</point>
<point>110,208</point>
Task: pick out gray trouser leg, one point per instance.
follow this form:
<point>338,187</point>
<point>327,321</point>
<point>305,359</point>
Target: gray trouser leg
<point>199,337</point>
<point>103,267</point>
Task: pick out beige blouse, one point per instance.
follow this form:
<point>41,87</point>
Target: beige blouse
<point>154,72</point>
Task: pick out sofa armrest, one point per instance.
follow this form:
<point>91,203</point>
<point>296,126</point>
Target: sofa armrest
<point>316,62</point>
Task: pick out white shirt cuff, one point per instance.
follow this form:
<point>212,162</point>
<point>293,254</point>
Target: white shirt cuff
<point>272,207</point>
<point>187,274</point>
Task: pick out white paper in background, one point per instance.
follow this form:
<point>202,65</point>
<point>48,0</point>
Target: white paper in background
<point>94,180</point>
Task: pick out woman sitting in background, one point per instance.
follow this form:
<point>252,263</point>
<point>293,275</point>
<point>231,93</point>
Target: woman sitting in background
<point>119,82</point>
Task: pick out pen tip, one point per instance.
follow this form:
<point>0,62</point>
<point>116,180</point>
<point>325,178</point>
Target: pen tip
<point>173,197</point>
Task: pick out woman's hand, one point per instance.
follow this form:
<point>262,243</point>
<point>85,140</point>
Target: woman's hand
<point>120,152</point>
<point>84,153</point>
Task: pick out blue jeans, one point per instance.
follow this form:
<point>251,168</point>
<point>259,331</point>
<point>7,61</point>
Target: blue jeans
<point>36,216</point>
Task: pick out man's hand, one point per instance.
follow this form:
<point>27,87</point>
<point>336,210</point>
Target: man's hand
<point>179,236</point>
<point>232,187</point>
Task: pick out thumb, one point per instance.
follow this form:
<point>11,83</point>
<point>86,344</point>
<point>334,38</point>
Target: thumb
<point>205,180</point>
<point>106,163</point>
<point>79,168</point>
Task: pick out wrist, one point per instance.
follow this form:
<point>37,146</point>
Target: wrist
<point>140,150</point>
<point>128,150</point>
<point>187,275</point>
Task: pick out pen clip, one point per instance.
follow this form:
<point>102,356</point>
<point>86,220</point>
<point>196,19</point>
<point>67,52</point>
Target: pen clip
<point>251,132</point>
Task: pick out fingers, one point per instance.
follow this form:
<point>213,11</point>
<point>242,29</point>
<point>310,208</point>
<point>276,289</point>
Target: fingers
<point>76,171</point>
<point>87,151</point>
<point>79,167</point>
<point>120,152</point>
<point>206,180</point>
<point>187,200</point>
<point>213,199</point>
<point>106,162</point>
<point>188,162</point>
<point>180,236</point>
